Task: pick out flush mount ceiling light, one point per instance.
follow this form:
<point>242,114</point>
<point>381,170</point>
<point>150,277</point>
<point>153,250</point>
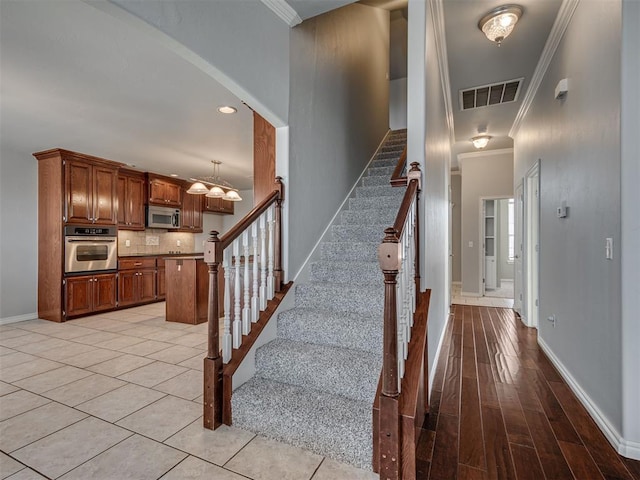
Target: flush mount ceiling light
<point>219,187</point>
<point>480,141</point>
<point>227,109</point>
<point>499,22</point>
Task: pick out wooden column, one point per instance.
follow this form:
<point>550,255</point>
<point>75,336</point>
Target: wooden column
<point>212,403</point>
<point>264,158</point>
<point>277,266</point>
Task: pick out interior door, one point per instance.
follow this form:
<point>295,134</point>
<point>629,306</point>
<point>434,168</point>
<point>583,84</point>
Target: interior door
<point>490,254</point>
<point>518,270</point>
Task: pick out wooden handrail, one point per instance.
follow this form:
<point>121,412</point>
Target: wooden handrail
<point>397,180</point>
<point>403,212</point>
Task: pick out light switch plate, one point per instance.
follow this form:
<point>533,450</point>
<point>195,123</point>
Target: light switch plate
<point>608,248</point>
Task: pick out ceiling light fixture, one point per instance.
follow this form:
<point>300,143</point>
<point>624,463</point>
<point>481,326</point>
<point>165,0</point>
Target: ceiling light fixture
<point>227,109</point>
<point>480,141</point>
<point>499,22</point>
<point>219,188</point>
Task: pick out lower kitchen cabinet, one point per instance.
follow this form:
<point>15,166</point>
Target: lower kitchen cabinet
<point>162,292</point>
<point>136,281</point>
<point>90,293</point>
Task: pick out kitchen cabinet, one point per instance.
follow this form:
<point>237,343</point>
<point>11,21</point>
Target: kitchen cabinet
<point>191,211</point>
<point>90,294</point>
<point>90,192</point>
<point>217,205</point>
<point>131,200</point>
<point>161,280</point>
<point>136,281</point>
<point>187,289</point>
<point>164,191</point>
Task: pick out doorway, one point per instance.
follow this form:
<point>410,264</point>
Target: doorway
<point>531,236</point>
<point>498,242</point>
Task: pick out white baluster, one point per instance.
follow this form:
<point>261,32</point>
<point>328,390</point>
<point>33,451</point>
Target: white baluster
<point>270,280</point>
<point>263,264</point>
<point>237,324</point>
<point>255,299</point>
<point>226,335</point>
<point>246,306</point>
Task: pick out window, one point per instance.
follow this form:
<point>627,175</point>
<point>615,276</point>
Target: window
<point>511,231</point>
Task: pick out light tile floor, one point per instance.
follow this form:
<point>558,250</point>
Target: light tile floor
<point>459,299</point>
<point>118,396</point>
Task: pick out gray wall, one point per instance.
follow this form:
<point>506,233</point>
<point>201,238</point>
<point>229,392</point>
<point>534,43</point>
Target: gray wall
<point>398,103</point>
<point>242,44</point>
<point>484,174</point>
<point>456,227</point>
<point>630,219</point>
<point>578,143</point>
<point>428,144</point>
<point>18,235</point>
<point>339,113</point>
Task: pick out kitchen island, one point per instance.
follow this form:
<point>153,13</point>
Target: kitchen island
<point>187,289</point>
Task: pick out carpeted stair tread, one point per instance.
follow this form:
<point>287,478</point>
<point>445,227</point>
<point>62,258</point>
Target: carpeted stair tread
<point>379,191</point>
<point>380,172</point>
<point>339,371</point>
<point>326,424</point>
<point>340,298</point>
<point>359,331</point>
<point>360,273</point>
<point>358,233</point>
<point>369,203</point>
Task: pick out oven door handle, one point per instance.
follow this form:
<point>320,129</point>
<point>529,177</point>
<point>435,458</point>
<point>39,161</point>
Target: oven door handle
<point>92,241</point>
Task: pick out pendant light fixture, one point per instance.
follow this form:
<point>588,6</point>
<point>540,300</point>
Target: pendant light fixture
<point>499,22</point>
<point>219,187</point>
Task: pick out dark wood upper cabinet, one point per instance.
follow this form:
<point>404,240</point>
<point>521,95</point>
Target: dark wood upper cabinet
<point>90,191</point>
<point>191,211</point>
<point>217,205</point>
<point>131,200</point>
<point>164,191</point>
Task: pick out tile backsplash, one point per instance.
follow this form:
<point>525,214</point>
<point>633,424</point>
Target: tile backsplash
<point>154,241</point>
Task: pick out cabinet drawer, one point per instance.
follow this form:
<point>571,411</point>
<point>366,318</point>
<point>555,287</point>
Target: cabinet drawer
<point>136,263</point>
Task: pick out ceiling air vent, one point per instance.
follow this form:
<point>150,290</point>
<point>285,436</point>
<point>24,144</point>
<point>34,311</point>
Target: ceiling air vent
<point>495,94</point>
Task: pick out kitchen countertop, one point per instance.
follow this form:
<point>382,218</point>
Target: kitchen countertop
<point>168,255</point>
<point>193,256</point>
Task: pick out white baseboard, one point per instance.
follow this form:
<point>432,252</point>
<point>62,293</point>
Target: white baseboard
<point>623,447</point>
<point>470,294</point>
<point>432,373</point>
<point>18,318</point>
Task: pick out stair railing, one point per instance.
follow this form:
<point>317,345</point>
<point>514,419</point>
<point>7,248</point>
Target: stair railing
<point>399,175</point>
<point>399,260</point>
<point>250,255</point>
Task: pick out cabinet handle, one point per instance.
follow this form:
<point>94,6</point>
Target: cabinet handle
<point>137,264</point>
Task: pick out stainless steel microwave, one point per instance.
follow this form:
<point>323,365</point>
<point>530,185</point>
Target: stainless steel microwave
<point>162,217</point>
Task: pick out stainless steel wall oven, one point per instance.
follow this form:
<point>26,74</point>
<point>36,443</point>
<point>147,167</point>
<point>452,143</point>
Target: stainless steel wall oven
<point>90,248</point>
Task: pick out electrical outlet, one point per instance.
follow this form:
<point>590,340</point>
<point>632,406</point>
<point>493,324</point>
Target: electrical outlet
<point>127,243</point>
<point>178,243</point>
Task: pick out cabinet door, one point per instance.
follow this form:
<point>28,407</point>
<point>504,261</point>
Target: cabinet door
<point>123,204</point>
<point>79,298</point>
<point>188,201</point>
<point>127,287</point>
<point>135,194</point>
<point>146,285</point>
<point>104,195</point>
<point>104,292</point>
<point>163,192</point>
<point>217,205</point>
<point>173,194</point>
<point>162,293</point>
<point>78,186</point>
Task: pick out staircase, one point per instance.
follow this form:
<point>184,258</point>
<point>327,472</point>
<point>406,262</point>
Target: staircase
<point>315,384</point>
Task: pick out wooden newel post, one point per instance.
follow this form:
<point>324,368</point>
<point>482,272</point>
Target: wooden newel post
<point>277,266</point>
<point>389,431</point>
<point>416,174</point>
<point>212,414</point>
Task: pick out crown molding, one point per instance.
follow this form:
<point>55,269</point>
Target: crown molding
<point>560,25</point>
<point>283,10</point>
<point>437,9</point>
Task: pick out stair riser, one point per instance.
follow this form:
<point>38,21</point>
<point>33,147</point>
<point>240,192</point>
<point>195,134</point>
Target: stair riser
<point>350,251</point>
<point>379,191</point>
<point>368,217</point>
<point>380,172</point>
<point>346,273</point>
<point>363,300</point>
<point>375,181</point>
<point>365,203</point>
<point>385,160</point>
<point>358,332</point>
<point>358,233</point>
<point>331,370</point>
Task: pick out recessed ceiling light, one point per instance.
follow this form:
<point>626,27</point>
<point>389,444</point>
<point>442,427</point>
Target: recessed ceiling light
<point>174,174</point>
<point>227,109</point>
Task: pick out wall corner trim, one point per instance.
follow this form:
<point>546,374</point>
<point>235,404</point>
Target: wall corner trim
<point>437,8</point>
<point>557,31</point>
<point>283,10</point>
<point>18,318</point>
<point>622,446</point>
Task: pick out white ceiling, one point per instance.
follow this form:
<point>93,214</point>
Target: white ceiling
<point>77,78</point>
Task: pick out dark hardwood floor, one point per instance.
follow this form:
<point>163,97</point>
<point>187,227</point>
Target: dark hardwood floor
<point>500,410</point>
